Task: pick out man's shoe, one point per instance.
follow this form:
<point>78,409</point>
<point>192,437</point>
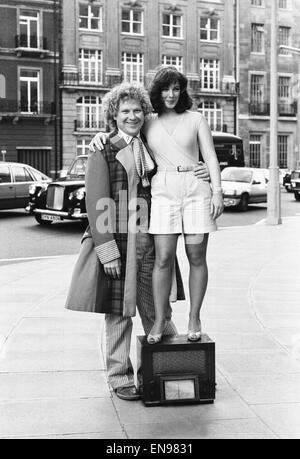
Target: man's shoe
<point>128,393</point>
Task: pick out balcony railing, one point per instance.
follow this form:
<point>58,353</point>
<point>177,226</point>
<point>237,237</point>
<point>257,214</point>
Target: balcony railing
<point>263,109</point>
<point>76,79</point>
<point>259,109</point>
<point>223,88</point>
<point>85,125</point>
<point>285,109</point>
<point>31,43</point>
<point>36,108</point>
<point>108,81</point>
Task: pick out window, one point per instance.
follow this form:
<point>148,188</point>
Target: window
<point>5,174</point>
<point>257,89</point>
<point>2,87</point>
<point>132,22</point>
<point>284,88</point>
<point>29,29</point>
<point>212,111</point>
<point>174,61</point>
<point>29,90</point>
<point>90,66</point>
<point>37,175</point>
<point>284,4</point>
<point>257,2</point>
<point>172,26</point>
<point>282,151</point>
<point>133,67</point>
<point>284,39</point>
<point>210,75</point>
<point>209,29</point>
<point>82,147</point>
<point>89,113</point>
<point>90,17</point>
<point>255,150</point>
<point>21,174</point>
<point>257,38</point>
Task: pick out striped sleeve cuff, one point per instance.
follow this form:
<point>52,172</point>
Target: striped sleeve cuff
<point>108,252</point>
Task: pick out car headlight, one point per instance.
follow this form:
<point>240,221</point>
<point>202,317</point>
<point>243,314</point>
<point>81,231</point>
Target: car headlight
<point>294,185</point>
<point>78,194</point>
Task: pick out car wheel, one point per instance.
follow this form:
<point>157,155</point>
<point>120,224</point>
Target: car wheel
<point>42,222</point>
<point>297,196</point>
<point>243,205</point>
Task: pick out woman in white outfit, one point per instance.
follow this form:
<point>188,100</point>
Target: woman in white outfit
<point>181,203</point>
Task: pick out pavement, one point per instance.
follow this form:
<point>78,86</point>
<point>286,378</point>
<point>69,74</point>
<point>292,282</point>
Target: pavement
<point>52,371</point>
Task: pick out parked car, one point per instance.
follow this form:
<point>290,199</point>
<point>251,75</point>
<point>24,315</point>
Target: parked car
<point>63,199</point>
<point>295,184</point>
<point>15,181</point>
<point>243,186</point>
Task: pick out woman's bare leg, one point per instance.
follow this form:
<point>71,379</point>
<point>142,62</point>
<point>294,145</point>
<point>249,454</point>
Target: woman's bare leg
<point>196,249</point>
<point>165,252</point>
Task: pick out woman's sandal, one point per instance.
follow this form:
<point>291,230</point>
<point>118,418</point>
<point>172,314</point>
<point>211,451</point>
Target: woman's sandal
<point>194,336</point>
<point>154,339</point>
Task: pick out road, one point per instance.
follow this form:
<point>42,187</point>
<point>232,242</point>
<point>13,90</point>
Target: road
<point>22,237</point>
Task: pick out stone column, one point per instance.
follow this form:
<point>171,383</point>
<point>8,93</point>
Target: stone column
<point>192,59</point>
<point>70,18</point>
<point>112,27</point>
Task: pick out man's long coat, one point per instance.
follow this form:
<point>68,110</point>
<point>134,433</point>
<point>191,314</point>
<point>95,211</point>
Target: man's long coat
<point>111,173</point>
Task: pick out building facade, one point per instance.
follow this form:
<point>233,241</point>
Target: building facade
<point>106,42</point>
<point>29,69</point>
<point>254,76</point>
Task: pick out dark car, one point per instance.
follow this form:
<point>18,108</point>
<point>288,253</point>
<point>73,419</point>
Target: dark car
<point>295,184</point>
<point>63,199</point>
<point>15,182</point>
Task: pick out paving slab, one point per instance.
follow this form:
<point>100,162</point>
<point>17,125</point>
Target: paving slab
<point>267,389</point>
<point>283,419</point>
<point>53,385</point>
<point>212,430</point>
<point>57,417</point>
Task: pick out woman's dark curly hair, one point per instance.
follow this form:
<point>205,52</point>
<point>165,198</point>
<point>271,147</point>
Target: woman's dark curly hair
<point>165,77</point>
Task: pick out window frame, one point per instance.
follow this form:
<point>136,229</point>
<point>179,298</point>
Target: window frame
<point>131,21</point>
<point>89,17</point>
<point>171,26</point>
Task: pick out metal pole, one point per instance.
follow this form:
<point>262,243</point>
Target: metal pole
<point>274,198</point>
<point>237,58</point>
<point>297,165</point>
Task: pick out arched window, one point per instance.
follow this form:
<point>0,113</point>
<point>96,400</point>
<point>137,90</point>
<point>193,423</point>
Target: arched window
<point>89,113</point>
<point>2,87</point>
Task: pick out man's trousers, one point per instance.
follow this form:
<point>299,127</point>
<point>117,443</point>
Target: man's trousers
<point>119,329</point>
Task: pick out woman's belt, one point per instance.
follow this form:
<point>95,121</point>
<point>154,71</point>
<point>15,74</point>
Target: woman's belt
<point>176,168</point>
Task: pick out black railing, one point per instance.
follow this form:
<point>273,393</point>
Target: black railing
<point>287,109</point>
<point>85,125</point>
<point>32,42</point>
<point>259,109</point>
<point>222,88</point>
<point>263,109</point>
<point>69,78</point>
<point>35,108</point>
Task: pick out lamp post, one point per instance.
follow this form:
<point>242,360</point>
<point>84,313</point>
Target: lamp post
<point>274,198</point>
<point>296,51</point>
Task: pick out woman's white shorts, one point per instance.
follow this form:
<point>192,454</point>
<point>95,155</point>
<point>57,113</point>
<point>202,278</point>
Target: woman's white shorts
<point>180,204</point>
